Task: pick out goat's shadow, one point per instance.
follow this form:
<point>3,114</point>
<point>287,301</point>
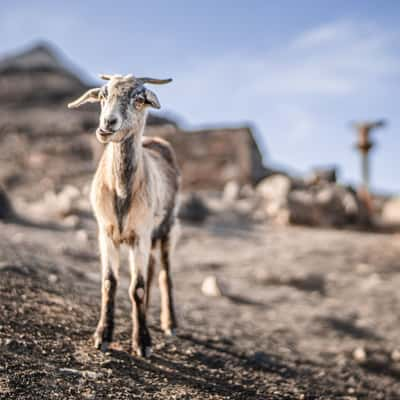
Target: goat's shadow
<point>201,368</point>
<point>213,367</point>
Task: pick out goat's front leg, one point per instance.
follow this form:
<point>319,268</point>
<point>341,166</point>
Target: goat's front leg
<point>110,261</point>
<point>139,259</point>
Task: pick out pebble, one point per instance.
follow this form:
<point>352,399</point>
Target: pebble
<point>395,355</point>
<point>85,373</point>
<point>211,287</point>
<point>82,236</point>
<point>71,221</point>
<point>360,355</point>
<point>53,278</point>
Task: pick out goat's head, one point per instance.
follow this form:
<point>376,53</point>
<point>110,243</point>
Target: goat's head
<point>124,101</point>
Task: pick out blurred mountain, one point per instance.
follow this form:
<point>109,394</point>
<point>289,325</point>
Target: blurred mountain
<point>42,76</point>
<point>37,76</point>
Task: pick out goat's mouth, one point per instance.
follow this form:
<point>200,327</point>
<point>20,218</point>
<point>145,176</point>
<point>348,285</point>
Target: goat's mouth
<point>103,135</point>
<point>103,132</point>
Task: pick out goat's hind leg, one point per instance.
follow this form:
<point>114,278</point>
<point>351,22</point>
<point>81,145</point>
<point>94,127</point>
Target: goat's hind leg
<point>110,267</point>
<point>168,319</point>
<point>149,280</point>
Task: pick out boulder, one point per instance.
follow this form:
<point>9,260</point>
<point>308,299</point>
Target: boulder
<point>391,211</point>
<point>319,175</point>
<point>322,204</point>
<point>231,192</point>
<point>273,193</point>
<point>6,208</point>
<point>193,209</point>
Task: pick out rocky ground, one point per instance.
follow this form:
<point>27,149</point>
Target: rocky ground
<point>305,314</point>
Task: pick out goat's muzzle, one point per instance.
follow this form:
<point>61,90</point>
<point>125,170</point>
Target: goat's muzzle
<point>103,135</point>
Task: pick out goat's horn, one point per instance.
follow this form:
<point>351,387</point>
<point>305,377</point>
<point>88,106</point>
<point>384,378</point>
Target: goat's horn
<point>154,81</point>
<point>105,77</point>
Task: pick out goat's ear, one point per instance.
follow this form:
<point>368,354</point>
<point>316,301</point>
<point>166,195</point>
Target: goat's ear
<point>91,96</point>
<point>151,99</point>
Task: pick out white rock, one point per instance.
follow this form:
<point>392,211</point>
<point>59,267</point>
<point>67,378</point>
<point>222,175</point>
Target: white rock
<point>391,211</point>
<point>360,355</point>
<point>211,287</point>
<point>231,192</point>
<point>53,278</point>
<point>72,221</point>
<point>82,236</point>
<point>396,355</point>
<point>274,188</point>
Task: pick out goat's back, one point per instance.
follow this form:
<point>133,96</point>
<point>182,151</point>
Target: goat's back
<point>162,147</point>
<point>160,150</point>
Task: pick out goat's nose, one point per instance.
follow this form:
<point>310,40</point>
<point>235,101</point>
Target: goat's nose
<point>110,122</point>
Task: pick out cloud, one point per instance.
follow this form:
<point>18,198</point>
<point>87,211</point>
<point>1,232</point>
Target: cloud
<point>340,58</point>
<point>337,59</point>
<point>301,94</point>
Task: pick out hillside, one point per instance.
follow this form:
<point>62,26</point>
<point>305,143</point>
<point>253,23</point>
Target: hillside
<point>301,317</point>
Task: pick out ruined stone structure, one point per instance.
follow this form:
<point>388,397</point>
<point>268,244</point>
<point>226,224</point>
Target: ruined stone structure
<point>37,130</point>
<point>210,158</point>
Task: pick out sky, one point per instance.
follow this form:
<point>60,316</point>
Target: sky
<point>299,72</point>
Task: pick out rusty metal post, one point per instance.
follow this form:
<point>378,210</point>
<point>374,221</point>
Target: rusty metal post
<point>364,145</point>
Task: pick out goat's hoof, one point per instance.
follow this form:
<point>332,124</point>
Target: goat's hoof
<point>100,344</point>
<point>170,332</point>
<point>143,352</point>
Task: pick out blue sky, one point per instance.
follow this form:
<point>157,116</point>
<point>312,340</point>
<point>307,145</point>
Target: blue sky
<point>299,71</point>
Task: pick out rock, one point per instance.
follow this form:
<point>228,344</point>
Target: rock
<point>65,199</point>
<point>371,282</point>
<point>364,268</point>
<point>85,373</point>
<point>82,236</point>
<point>320,202</point>
<point>395,355</point>
<point>71,221</point>
<point>301,209</point>
<point>273,193</point>
<point>211,287</point>
<point>274,188</point>
<point>246,191</point>
<point>391,211</point>
<point>71,192</point>
<point>323,175</point>
<point>360,355</point>
<point>194,209</point>
<point>53,278</point>
<point>6,209</point>
<point>58,205</point>
<point>328,205</point>
<point>231,192</point>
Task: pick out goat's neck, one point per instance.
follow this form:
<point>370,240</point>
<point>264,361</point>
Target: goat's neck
<point>126,163</point>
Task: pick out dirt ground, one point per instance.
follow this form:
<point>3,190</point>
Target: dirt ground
<point>306,314</point>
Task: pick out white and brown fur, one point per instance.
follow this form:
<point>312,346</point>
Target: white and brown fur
<point>134,198</point>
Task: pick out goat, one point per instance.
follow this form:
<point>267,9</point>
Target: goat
<point>134,198</point>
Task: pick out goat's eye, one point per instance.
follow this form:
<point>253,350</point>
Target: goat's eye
<point>138,102</point>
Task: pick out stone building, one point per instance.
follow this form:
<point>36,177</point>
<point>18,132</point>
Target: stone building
<point>209,158</point>
<point>46,144</point>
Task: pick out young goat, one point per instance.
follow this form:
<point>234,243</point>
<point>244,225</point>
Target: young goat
<point>134,198</point>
